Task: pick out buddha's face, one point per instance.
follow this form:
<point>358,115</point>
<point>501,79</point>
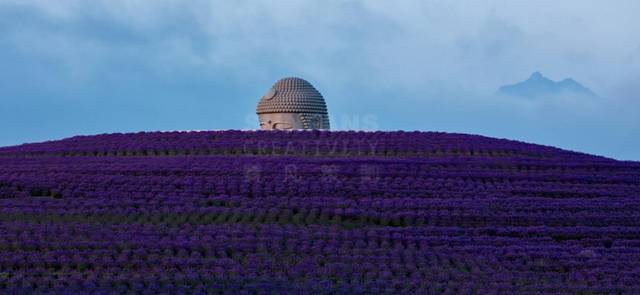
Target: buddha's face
<point>280,121</point>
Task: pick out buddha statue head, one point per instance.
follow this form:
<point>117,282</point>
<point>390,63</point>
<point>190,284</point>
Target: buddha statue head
<point>292,103</point>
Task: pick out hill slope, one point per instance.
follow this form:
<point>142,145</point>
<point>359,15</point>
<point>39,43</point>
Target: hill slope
<point>315,212</point>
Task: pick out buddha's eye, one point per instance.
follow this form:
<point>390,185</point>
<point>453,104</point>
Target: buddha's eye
<point>282,126</point>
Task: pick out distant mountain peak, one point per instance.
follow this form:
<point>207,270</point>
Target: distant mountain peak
<point>536,75</point>
<point>539,86</point>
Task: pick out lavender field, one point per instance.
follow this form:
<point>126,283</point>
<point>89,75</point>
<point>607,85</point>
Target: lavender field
<point>315,212</point>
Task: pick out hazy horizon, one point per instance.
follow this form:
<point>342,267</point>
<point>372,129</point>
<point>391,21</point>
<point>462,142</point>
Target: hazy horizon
<point>79,68</point>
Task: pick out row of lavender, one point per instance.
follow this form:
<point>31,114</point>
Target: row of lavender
<point>306,143</point>
<point>373,177</point>
<point>528,219</point>
<point>407,260</point>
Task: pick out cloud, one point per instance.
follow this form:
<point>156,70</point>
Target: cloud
<point>464,44</point>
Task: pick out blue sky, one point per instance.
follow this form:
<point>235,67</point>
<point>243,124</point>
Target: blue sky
<point>90,67</point>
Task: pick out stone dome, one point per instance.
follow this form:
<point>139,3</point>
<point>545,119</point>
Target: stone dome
<point>294,96</point>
